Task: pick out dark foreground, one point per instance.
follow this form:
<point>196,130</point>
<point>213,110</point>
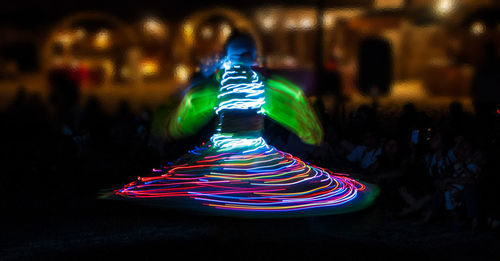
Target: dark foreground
<point>111,230</point>
<point>51,176</point>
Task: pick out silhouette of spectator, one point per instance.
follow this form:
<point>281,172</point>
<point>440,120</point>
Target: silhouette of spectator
<point>389,161</point>
<point>365,155</point>
<point>461,187</point>
<point>122,130</point>
<point>416,186</point>
<point>95,122</point>
<point>458,122</point>
<point>64,95</point>
<point>439,164</point>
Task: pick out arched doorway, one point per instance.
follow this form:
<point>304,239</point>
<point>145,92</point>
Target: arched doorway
<point>204,33</point>
<point>98,47</point>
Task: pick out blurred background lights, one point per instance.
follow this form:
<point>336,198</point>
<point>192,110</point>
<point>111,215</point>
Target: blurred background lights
<point>388,4</point>
<point>154,27</point>
<point>207,32</point>
<point>268,23</point>
<point>267,18</point>
<point>109,67</point>
<point>224,30</point>
<point>102,40</point>
<point>65,38</point>
<point>301,19</point>
<point>79,33</point>
<point>188,32</point>
<point>307,23</point>
<point>182,73</point>
<point>332,15</point>
<point>291,23</point>
<point>328,20</point>
<point>477,28</point>
<point>149,67</point>
<point>187,29</point>
<point>169,46</point>
<point>444,6</point>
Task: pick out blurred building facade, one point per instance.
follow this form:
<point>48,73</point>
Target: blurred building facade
<point>437,42</point>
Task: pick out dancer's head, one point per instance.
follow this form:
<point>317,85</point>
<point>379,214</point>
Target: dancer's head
<point>241,49</point>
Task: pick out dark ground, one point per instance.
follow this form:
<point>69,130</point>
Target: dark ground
<point>98,229</point>
<point>50,182</point>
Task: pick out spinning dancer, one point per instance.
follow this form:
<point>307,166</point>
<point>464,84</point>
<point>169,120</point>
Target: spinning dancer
<point>237,173</point>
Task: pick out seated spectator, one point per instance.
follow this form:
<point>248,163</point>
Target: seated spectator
<point>461,186</point>
<point>439,164</point>
<point>365,155</point>
<point>416,185</point>
<point>389,161</point>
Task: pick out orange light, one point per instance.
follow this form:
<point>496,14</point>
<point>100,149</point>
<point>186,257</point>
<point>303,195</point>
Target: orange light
<point>149,67</point>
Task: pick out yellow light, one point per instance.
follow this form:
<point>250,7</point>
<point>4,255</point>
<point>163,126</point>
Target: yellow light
<point>149,67</point>
<point>444,6</point>
<point>268,23</point>
<point>328,20</point>
<point>64,38</point>
<point>225,31</point>
<point>102,40</point>
<point>477,28</point>
<point>207,32</point>
<point>290,24</point>
<point>267,18</point>
<point>307,23</point>
<point>331,15</point>
<point>300,19</point>
<point>388,4</point>
<point>182,73</point>
<point>188,33</point>
<point>154,27</point>
<point>109,67</point>
<point>79,33</point>
<point>188,30</point>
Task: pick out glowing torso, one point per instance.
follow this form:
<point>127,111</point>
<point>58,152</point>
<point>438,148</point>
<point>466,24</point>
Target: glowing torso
<point>239,110</point>
<point>240,89</point>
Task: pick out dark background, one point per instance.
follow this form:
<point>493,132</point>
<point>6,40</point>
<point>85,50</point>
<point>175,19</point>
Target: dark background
<point>65,141</point>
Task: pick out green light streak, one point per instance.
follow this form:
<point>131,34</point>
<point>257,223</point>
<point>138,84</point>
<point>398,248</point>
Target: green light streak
<point>287,104</point>
<point>195,110</point>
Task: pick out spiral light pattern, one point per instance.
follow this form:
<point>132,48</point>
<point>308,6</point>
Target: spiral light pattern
<point>264,179</point>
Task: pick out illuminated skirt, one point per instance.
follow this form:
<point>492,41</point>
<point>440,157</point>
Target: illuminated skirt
<point>253,180</point>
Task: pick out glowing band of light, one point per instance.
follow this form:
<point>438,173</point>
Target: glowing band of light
<point>241,89</point>
<point>245,173</point>
<point>263,180</point>
<point>226,142</point>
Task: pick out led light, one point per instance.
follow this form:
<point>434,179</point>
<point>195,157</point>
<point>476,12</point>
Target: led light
<point>241,89</point>
<point>278,182</point>
<point>229,143</point>
<point>237,171</point>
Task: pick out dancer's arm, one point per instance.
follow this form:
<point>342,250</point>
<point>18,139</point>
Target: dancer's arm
<point>286,103</point>
<point>195,110</point>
